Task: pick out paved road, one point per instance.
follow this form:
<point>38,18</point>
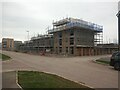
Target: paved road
<point>80,69</point>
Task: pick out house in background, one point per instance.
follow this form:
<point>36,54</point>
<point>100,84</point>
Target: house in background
<point>7,44</point>
<point>17,45</point>
<point>10,44</point>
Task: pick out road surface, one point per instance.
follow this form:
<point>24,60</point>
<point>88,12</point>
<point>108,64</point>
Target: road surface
<point>80,69</point>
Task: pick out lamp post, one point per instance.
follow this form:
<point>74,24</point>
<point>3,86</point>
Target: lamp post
<point>28,35</point>
<point>28,40</point>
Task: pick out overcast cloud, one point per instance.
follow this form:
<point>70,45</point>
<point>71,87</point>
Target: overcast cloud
<point>18,17</point>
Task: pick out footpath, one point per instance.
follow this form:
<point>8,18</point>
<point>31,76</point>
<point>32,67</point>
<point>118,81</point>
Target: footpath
<point>9,80</point>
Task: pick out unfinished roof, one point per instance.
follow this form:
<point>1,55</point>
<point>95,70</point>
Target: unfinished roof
<point>41,36</point>
<point>72,22</point>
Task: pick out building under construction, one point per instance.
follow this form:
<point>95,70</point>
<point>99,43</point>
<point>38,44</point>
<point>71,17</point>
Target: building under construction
<point>40,43</point>
<point>71,36</point>
<point>78,37</point>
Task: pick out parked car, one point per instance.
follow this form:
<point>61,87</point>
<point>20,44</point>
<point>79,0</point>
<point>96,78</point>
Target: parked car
<point>115,60</point>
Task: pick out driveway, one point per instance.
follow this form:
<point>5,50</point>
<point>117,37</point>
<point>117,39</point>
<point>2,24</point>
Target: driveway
<point>80,69</point>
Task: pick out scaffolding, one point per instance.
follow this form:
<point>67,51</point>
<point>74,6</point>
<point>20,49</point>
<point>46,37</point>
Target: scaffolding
<point>68,23</point>
<point>42,36</point>
<point>71,22</point>
<point>98,38</point>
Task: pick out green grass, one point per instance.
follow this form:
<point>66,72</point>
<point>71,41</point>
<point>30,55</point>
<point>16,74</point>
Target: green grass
<point>4,57</point>
<point>103,61</point>
<point>32,79</point>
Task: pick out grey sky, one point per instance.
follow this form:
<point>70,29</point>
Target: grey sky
<point>18,17</point>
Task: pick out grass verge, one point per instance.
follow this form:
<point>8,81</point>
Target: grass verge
<point>103,61</point>
<point>4,57</point>
<point>33,79</point>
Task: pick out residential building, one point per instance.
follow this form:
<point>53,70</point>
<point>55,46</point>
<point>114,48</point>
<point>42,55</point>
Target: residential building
<point>7,44</point>
<point>17,45</point>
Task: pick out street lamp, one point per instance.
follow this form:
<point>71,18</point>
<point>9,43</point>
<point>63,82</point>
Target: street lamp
<point>28,40</point>
<point>28,35</point>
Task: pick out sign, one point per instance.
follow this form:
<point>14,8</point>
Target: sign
<point>47,50</point>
